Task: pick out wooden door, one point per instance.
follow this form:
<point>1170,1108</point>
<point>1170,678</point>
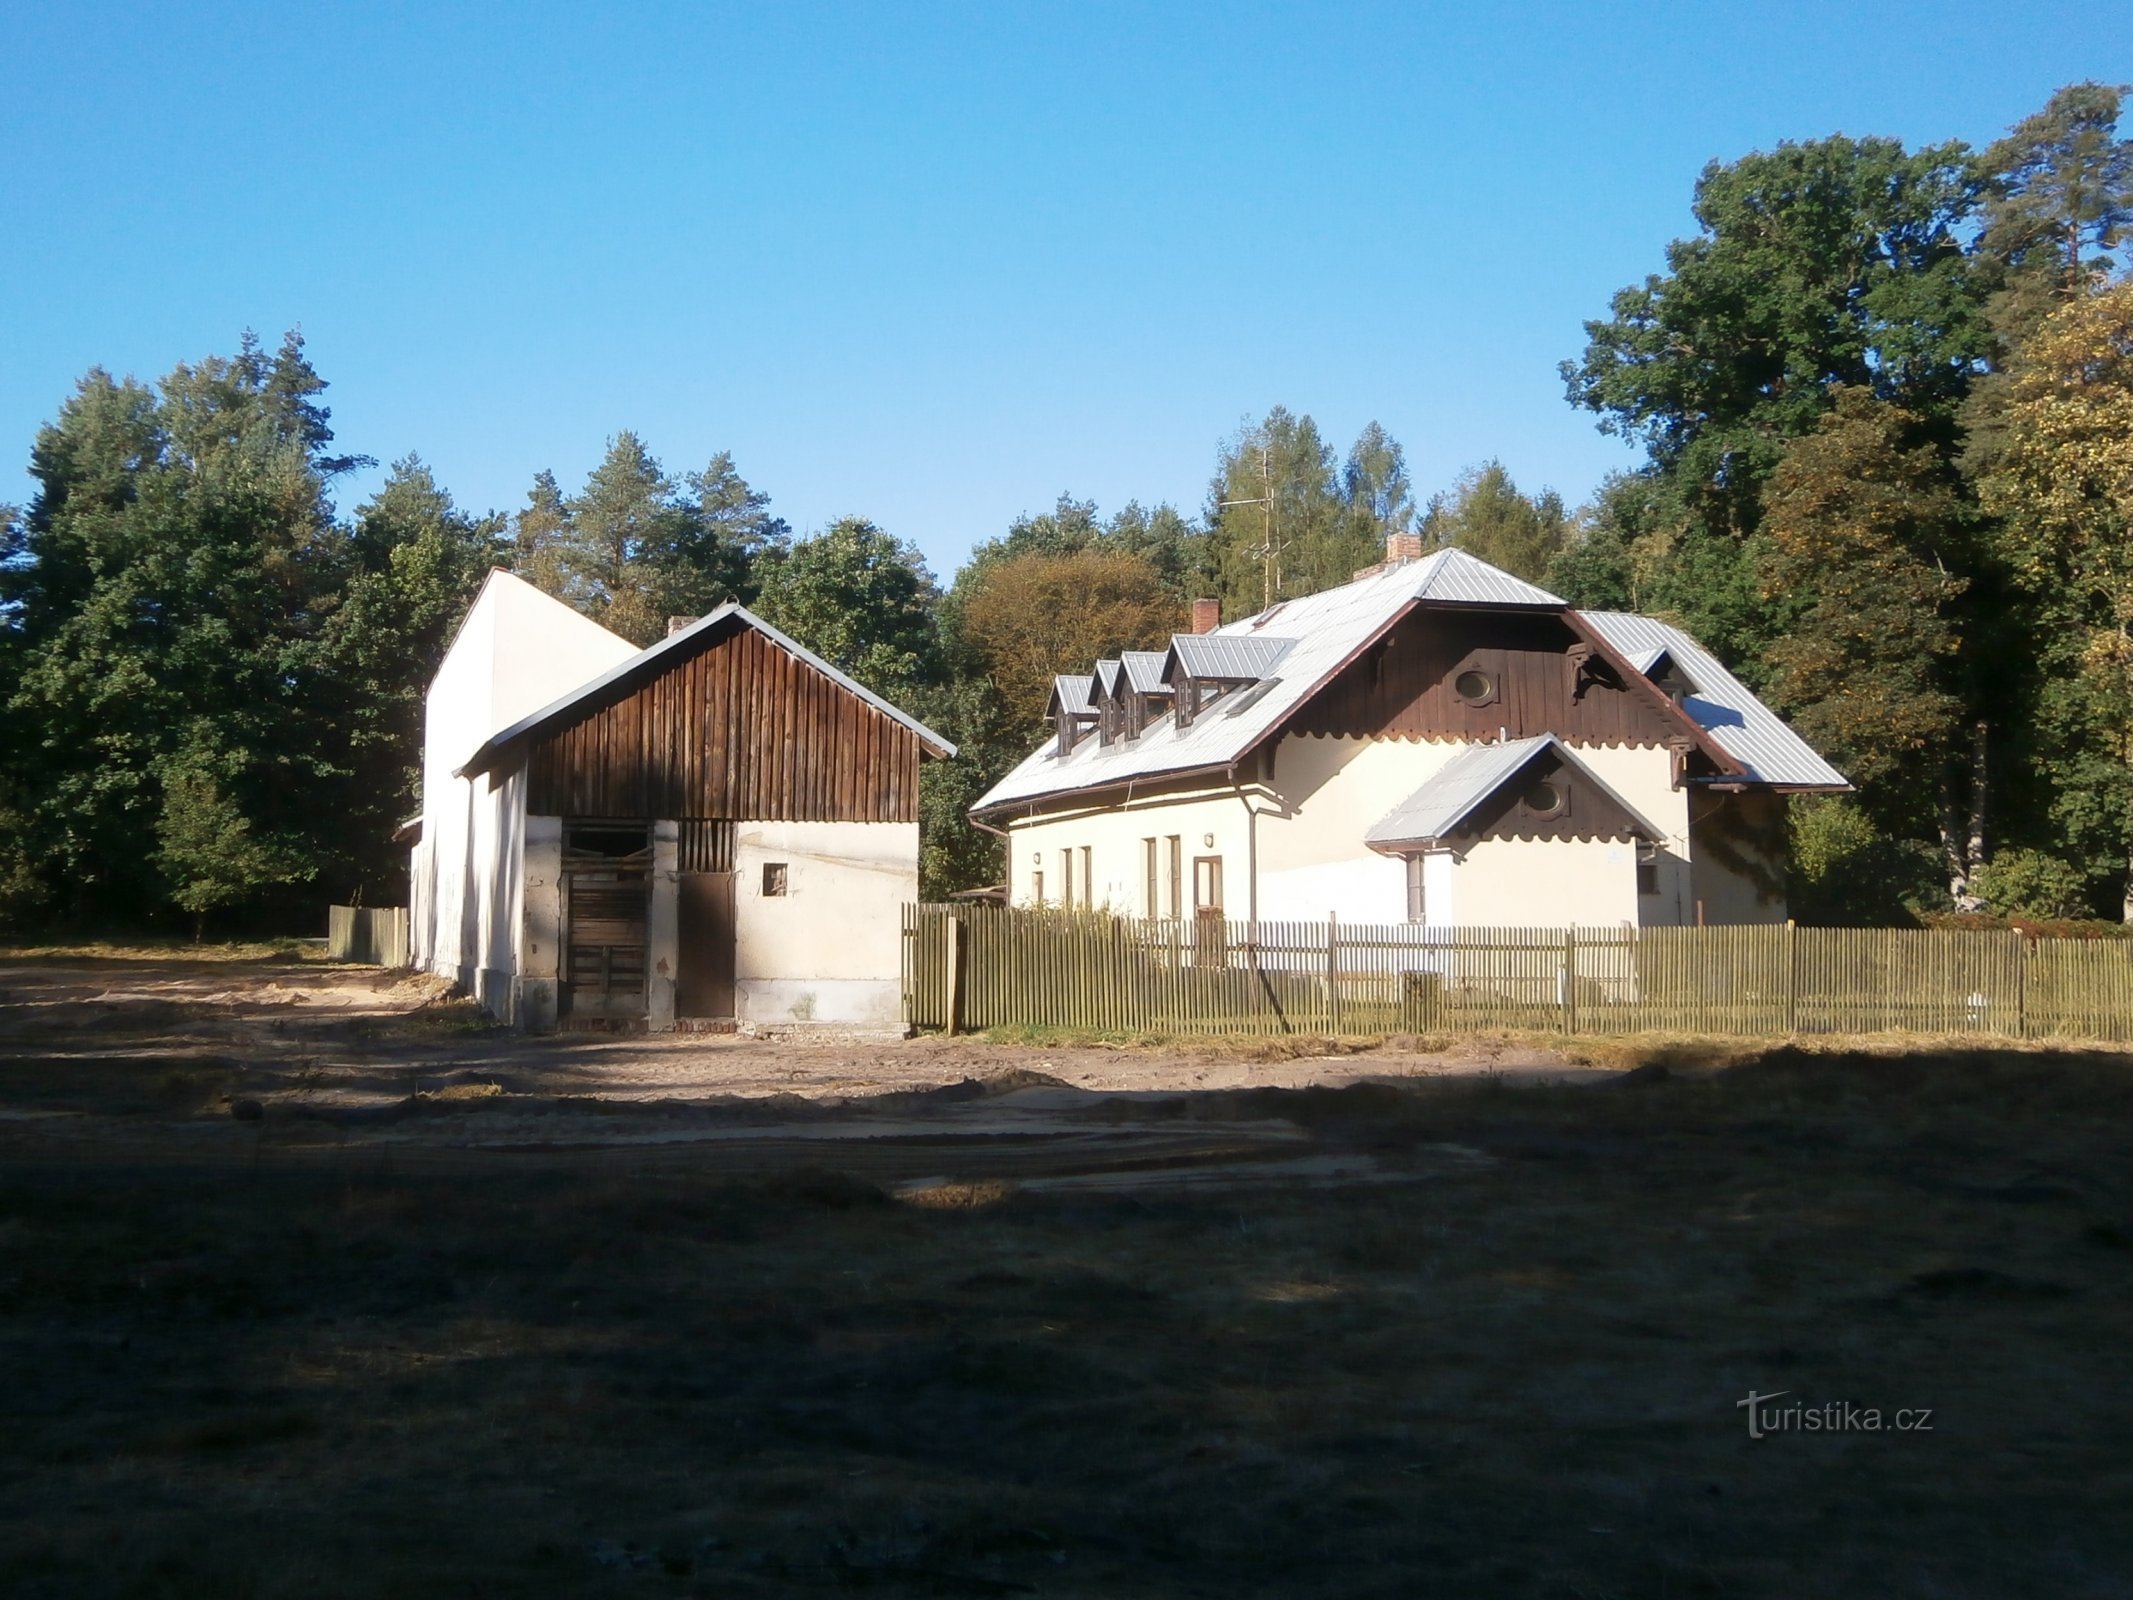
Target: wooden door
<point>704,985</point>
<point>1209,940</point>
<point>606,898</point>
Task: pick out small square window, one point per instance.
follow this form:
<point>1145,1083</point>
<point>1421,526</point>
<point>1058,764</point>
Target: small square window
<point>773,877</point>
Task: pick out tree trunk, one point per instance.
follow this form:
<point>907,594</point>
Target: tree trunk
<point>1962,830</point>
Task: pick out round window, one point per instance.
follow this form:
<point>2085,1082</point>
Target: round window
<point>1474,685</point>
<point>1544,799</point>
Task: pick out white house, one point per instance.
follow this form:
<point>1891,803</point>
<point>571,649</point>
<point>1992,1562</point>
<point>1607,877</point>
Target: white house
<point>718,830</point>
<point>1437,742</point>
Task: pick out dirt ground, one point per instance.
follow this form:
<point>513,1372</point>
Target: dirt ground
<point>312,1283</point>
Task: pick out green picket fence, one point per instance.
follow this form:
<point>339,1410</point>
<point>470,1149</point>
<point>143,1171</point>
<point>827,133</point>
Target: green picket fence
<point>981,966</point>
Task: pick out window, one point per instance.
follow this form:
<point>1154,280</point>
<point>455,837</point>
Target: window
<point>1150,907</point>
<point>773,878</point>
<point>1207,885</point>
<point>1177,876</point>
<point>1647,869</point>
<point>1036,888</point>
<point>1417,898</point>
<point>1066,879</point>
<point>1475,682</point>
<point>1088,879</point>
<point>1546,797</point>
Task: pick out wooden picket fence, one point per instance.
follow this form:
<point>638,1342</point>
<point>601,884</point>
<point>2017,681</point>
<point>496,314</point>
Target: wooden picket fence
<point>981,966</point>
<point>375,936</point>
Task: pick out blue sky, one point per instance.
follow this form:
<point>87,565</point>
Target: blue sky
<point>930,264</point>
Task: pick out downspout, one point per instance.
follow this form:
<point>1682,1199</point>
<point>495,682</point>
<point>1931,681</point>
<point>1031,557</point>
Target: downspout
<point>1251,850</point>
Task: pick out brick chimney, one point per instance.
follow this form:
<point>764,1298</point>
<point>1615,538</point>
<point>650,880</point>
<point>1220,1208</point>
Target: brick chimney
<point>1206,616</point>
<point>1401,547</point>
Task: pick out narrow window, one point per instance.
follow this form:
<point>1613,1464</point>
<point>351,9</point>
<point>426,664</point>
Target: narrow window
<point>1088,879</point>
<point>1647,869</point>
<point>1207,885</point>
<point>1036,888</point>
<point>1150,876</point>
<point>773,878</point>
<point>1417,899</point>
<point>1066,878</point>
<point>1177,876</point>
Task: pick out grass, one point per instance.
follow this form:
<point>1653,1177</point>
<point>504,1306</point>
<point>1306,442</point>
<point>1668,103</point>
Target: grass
<point>1515,1374</point>
<point>142,948</point>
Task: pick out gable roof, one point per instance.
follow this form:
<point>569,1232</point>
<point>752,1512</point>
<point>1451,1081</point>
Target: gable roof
<point>1723,706</point>
<point>1144,670</point>
<point>655,658</point>
<point>1292,649</point>
<point>1479,770</point>
<point>1227,657</point>
<point>1070,693</point>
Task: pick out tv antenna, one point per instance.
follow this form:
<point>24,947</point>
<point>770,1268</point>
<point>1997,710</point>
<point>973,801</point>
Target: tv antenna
<point>1268,552</point>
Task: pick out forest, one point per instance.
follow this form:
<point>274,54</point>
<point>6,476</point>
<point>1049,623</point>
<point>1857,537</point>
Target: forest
<point>1884,400</point>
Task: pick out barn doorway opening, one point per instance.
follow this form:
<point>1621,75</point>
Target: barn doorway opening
<point>607,884</point>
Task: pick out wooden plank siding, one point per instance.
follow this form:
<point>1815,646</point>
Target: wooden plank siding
<point>1401,687</point>
<point>740,729</point>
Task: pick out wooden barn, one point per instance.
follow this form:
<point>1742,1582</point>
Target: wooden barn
<point>717,830</point>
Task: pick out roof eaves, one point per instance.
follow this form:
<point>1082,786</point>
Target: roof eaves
<point>1696,732</point>
<point>653,657</point>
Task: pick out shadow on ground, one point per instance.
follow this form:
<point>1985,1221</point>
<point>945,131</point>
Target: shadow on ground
<point>1002,1333</point>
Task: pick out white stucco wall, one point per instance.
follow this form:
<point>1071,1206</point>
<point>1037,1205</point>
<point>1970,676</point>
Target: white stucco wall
<point>1117,855</point>
<point>829,950</point>
<point>1728,896</point>
<point>540,949</point>
<point>1325,794</point>
<point>1312,860</point>
<point>1544,883</point>
<point>517,651</point>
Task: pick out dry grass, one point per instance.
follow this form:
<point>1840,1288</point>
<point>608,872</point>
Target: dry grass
<point>1512,1374</point>
<point>164,950</point>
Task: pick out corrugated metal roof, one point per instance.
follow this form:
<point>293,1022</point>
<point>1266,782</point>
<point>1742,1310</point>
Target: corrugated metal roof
<point>1453,790</point>
<point>1228,657</point>
<point>652,658</point>
<point>1070,692</point>
<point>1144,670</point>
<point>1327,628</point>
<point>1453,575</point>
<point>1107,676</point>
<point>1722,705</point>
<point>1470,777</point>
<point>1324,631</point>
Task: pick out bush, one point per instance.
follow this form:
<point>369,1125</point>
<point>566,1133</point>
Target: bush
<point>2029,883</point>
<point>1847,873</point>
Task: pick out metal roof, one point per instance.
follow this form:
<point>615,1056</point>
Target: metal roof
<point>1107,678</point>
<point>1229,657</point>
<point>1070,693</point>
<point>1329,629</point>
<point>1455,576</point>
<point>650,660</point>
<point>1470,777</point>
<point>1322,632</point>
<point>1144,670</point>
<point>1722,705</point>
